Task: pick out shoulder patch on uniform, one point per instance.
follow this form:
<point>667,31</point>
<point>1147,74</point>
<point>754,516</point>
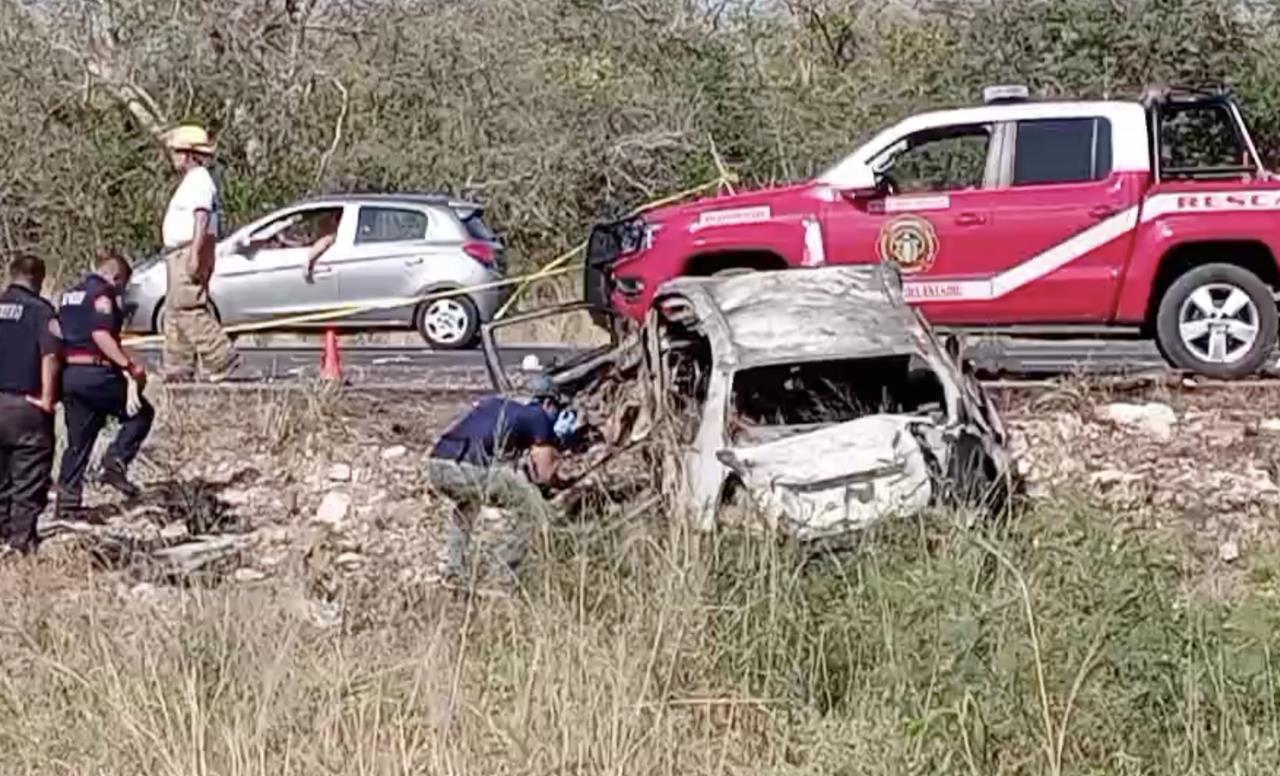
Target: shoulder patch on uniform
<point>10,312</point>
<point>104,304</point>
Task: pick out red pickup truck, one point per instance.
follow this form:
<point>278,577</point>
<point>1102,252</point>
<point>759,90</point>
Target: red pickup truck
<point>1152,217</point>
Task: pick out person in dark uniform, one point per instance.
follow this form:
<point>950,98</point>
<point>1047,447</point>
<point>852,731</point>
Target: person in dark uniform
<point>497,429</point>
<point>475,464</point>
<point>29,362</point>
<point>100,380</point>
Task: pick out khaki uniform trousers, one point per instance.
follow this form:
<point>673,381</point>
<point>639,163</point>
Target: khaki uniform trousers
<point>191,331</point>
<point>489,525</point>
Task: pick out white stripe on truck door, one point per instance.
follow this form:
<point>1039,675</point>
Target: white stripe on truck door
<point>1029,271</point>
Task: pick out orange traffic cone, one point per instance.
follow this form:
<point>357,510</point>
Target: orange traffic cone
<point>331,366</point>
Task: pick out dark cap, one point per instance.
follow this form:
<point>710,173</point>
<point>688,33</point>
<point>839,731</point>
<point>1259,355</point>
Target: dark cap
<point>543,387</point>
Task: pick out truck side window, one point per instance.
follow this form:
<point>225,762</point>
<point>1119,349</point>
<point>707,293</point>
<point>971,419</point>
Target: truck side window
<point>1062,151</point>
<point>945,159</point>
<point>1198,137</point>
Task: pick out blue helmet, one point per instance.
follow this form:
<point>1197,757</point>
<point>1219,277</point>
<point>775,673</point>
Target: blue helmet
<point>567,423</point>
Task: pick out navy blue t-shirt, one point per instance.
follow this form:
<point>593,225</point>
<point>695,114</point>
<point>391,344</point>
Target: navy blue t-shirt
<point>28,332</point>
<point>89,306</point>
<point>495,428</point>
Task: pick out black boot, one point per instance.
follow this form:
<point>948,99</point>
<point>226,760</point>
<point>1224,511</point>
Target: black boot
<point>113,475</point>
<point>67,508</point>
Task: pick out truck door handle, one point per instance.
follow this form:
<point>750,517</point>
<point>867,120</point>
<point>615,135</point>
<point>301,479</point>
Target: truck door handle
<point>970,219</point>
<point>1102,211</point>
<point>413,262</point>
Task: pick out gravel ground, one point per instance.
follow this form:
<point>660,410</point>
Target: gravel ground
<point>326,488</point>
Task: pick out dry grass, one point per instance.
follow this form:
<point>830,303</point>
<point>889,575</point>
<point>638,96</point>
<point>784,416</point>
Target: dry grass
<point>575,328</point>
<point>1056,642</point>
<point>646,650</point>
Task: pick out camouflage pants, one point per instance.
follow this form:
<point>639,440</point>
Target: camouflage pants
<point>193,334</point>
<point>487,532</point>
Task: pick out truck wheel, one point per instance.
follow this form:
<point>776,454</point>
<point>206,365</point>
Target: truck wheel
<point>1218,320</point>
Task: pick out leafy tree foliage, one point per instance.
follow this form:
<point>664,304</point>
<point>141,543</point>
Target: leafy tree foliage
<point>553,112</point>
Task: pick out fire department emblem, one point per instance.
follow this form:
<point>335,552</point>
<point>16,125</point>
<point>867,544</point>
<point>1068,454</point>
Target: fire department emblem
<point>910,242</point>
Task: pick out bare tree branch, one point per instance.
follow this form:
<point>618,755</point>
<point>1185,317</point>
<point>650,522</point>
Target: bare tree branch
<point>337,132</point>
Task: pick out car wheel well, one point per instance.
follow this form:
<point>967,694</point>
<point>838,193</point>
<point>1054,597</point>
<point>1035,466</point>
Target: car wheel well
<point>441,288</point>
<point>155,315</point>
<point>732,489</point>
<point>707,264</point>
<point>1249,255</point>
<point>159,309</point>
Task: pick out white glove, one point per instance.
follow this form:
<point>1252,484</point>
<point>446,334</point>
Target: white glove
<point>133,400</point>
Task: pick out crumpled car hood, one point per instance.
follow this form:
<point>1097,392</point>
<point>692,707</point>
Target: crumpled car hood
<point>837,479</point>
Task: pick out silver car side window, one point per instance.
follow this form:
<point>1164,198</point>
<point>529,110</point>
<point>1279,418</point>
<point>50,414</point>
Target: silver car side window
<point>298,229</point>
<point>386,224</point>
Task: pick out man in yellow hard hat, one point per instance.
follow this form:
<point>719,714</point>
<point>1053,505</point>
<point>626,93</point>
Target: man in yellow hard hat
<point>190,233</point>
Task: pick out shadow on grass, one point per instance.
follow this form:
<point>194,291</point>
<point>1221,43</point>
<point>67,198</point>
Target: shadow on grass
<point>208,543</point>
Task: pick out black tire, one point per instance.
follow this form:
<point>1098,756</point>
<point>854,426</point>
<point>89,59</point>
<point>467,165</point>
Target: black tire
<point>972,480</point>
<point>462,336</point>
<point>157,319</point>
<point>1222,277</point>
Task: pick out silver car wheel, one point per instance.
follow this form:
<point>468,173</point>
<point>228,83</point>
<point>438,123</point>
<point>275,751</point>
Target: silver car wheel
<point>1218,323</point>
<point>446,321</point>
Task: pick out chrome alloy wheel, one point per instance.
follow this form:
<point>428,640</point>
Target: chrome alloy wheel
<point>1218,323</point>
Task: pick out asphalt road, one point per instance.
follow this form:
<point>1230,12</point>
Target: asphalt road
<point>414,366</point>
<point>376,363</point>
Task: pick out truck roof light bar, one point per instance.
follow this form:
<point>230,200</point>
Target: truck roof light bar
<point>1005,93</point>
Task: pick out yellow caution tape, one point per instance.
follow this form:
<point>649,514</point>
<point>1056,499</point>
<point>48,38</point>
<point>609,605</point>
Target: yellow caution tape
<point>551,269</point>
<point>726,179</point>
<point>346,311</point>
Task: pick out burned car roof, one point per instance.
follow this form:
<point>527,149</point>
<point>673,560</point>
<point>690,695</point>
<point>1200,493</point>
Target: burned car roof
<point>764,318</point>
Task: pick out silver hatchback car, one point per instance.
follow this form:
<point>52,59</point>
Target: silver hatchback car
<point>385,247</point>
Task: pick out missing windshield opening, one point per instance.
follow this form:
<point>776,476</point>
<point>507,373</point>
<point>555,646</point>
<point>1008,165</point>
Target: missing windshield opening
<point>838,391</point>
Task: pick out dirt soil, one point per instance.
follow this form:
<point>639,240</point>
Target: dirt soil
<point>1199,463</point>
<point>326,488</point>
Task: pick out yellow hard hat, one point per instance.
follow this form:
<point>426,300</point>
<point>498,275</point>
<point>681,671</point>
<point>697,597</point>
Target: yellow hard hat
<point>189,137</point>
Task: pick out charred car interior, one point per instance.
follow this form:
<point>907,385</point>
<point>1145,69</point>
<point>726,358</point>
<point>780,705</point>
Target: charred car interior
<point>816,397</point>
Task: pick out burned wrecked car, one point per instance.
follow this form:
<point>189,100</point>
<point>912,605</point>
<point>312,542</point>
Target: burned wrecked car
<point>816,395</point>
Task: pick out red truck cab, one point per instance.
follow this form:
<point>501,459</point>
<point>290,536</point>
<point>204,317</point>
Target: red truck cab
<point>1151,217</point>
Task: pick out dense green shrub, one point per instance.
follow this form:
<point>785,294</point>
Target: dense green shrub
<point>553,112</point>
